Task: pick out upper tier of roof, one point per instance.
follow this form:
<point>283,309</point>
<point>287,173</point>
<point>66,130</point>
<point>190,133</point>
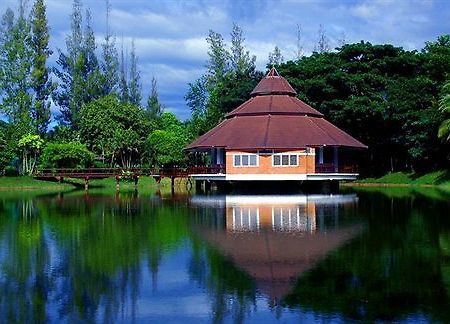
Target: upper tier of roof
<point>273,84</point>
<point>274,105</point>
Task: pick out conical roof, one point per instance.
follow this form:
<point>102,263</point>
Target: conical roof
<point>273,84</point>
<point>274,119</point>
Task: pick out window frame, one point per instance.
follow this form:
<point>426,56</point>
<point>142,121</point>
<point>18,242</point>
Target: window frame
<point>289,165</point>
<point>248,155</point>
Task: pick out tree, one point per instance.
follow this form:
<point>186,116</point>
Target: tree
<point>30,145</point>
<point>115,131</point>
<point>123,83</point>
<point>323,43</point>
<point>70,72</point>
<point>218,57</point>
<point>135,86</point>
<point>444,107</point>
<point>41,82</point>
<point>275,57</point>
<point>227,83</point>
<point>92,76</point>
<point>241,62</point>
<point>154,107</point>
<point>364,88</point>
<point>165,145</point>
<point>79,70</point>
<point>15,68</point>
<point>66,155</point>
<point>299,52</point>
<point>5,156</point>
<point>110,63</point>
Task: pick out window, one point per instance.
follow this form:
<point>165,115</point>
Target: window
<point>285,160</point>
<point>276,160</point>
<point>245,219</point>
<point>245,160</point>
<point>292,219</point>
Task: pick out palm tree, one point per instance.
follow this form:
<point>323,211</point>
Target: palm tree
<point>444,107</point>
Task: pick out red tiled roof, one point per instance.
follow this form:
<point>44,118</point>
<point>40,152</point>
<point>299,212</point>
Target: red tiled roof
<point>275,132</point>
<point>274,105</point>
<point>273,119</point>
<point>273,83</point>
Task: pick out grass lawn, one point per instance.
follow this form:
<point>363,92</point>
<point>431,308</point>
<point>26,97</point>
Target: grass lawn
<point>436,178</point>
<point>29,183</point>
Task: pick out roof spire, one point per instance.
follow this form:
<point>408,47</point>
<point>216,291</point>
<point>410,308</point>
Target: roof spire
<point>273,72</point>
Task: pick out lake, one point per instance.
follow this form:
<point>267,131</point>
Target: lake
<point>379,254</point>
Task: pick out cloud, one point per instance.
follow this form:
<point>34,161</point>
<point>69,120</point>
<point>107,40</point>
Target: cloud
<point>170,35</point>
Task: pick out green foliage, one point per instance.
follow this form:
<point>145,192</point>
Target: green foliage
<point>134,85</point>
<point>444,107</point>
<point>15,68</point>
<point>227,83</point>
<point>5,157</point>
<point>81,80</point>
<point>115,131</point>
<point>165,145</point>
<point>110,62</point>
<point>154,107</point>
<point>382,95</point>
<point>30,145</point>
<point>41,83</point>
<point>66,155</point>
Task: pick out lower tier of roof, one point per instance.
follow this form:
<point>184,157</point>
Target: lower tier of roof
<point>274,132</point>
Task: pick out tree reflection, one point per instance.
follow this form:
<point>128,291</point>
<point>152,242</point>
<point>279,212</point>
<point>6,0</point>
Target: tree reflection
<point>90,258</point>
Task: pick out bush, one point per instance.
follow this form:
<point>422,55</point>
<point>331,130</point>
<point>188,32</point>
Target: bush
<point>11,171</point>
<point>66,155</point>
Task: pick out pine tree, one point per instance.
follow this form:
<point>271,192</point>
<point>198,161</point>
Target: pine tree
<point>217,64</point>
<point>135,87</point>
<point>241,62</point>
<point>123,83</point>
<point>299,52</point>
<point>15,68</point>
<point>323,43</point>
<point>110,63</point>
<point>41,83</point>
<point>70,72</point>
<point>80,75</point>
<point>154,107</point>
<point>92,75</point>
<point>275,57</point>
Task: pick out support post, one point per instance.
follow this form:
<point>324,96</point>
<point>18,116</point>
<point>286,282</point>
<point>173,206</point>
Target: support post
<point>335,159</point>
<point>86,183</point>
<point>207,186</point>
<point>321,155</point>
<point>117,183</point>
<point>198,186</point>
<point>136,179</point>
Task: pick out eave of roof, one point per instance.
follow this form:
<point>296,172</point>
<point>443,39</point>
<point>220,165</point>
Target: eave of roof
<point>275,132</point>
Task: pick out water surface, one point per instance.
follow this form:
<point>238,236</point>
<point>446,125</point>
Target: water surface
<point>378,255</point>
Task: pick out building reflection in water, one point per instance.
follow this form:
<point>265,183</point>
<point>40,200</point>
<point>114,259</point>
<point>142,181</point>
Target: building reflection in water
<point>277,238</point>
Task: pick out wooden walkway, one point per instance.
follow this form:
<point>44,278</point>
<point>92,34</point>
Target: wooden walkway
<point>118,173</point>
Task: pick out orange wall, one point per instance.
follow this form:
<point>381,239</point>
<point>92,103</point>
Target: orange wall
<point>306,165</point>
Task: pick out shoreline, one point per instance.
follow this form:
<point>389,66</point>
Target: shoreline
<point>375,184</point>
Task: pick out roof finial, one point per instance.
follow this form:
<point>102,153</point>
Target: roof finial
<point>273,72</point>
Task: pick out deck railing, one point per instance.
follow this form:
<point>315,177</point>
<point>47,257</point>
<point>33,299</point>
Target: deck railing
<point>114,172</point>
<point>330,168</point>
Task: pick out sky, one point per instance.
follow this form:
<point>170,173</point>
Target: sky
<point>170,35</point>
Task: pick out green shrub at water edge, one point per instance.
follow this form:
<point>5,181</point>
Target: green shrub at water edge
<point>66,155</point>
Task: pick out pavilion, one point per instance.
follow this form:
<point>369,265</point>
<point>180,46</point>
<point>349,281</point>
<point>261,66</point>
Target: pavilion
<point>274,136</point>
